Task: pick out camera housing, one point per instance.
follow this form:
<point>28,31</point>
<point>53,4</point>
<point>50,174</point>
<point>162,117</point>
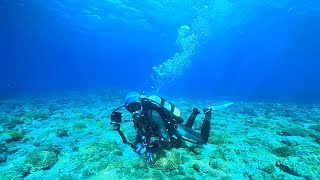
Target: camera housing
<point>116,118</point>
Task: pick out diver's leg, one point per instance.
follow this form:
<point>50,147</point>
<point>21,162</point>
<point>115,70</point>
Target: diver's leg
<point>192,117</point>
<point>205,129</point>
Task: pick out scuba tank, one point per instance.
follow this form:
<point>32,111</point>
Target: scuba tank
<point>169,106</point>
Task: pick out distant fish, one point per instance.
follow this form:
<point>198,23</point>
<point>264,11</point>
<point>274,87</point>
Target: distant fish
<point>222,106</point>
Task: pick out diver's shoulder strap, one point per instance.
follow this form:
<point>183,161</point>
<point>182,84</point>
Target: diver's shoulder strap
<point>158,104</point>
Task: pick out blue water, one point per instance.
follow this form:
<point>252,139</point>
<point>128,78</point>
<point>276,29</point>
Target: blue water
<point>257,50</point>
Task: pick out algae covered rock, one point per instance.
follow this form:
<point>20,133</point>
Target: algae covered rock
<point>315,127</point>
<point>138,164</point>
<point>42,113</point>
<point>171,160</point>
<point>296,167</point>
<point>3,148</point>
<point>290,142</point>
<point>79,125</point>
<point>221,152</point>
<point>219,164</point>
<point>218,138</point>
<point>10,136</point>
<point>284,151</point>
<point>199,166</point>
<point>101,149</point>
<point>62,133</point>
<point>3,158</point>
<point>196,167</point>
<point>38,160</point>
<point>12,123</point>
<point>269,168</point>
<point>103,154</point>
<point>294,131</point>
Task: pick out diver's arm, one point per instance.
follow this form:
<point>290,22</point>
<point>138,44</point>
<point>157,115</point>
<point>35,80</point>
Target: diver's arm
<point>139,146</point>
<point>152,146</point>
<point>140,136</point>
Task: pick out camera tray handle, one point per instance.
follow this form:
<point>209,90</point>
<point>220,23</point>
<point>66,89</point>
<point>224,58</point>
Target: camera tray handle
<point>124,140</point>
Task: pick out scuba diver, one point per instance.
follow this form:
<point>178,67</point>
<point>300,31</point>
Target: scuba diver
<point>158,122</point>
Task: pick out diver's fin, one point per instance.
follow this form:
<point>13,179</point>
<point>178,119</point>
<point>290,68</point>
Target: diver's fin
<point>221,106</point>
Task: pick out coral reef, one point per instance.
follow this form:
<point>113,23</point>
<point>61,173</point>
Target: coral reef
<point>270,169</point>
<point>39,160</point>
<point>284,151</point>
<point>315,127</point>
<point>62,133</point>
<point>39,114</point>
<point>218,138</point>
<point>168,161</point>
<point>300,169</point>
<point>10,136</point>
<point>11,123</point>
<point>293,131</point>
<point>79,126</point>
<point>69,137</point>
<point>101,155</point>
<point>219,164</point>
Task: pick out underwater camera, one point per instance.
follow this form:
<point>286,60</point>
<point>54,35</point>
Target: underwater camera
<point>116,118</point>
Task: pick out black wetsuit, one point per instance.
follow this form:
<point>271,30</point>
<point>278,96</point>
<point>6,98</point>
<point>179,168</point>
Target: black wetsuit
<point>157,121</point>
<point>205,128</point>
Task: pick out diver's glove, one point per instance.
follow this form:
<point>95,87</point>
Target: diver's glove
<point>150,157</point>
<point>139,148</point>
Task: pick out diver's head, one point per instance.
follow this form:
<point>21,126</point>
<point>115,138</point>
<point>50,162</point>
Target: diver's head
<point>132,102</point>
